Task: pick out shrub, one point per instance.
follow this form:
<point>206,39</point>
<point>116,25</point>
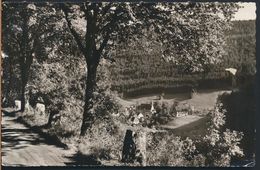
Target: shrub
<point>165,111</point>
<point>219,145</point>
<point>216,148</point>
<point>165,149</point>
<point>240,114</point>
<point>68,120</point>
<point>103,142</point>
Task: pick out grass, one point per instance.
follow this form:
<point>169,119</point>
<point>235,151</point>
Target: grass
<point>204,100</point>
<point>195,129</point>
<point>182,121</point>
<point>192,126</point>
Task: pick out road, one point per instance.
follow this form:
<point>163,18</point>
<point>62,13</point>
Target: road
<point>23,147</point>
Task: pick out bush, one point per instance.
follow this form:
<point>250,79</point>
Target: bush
<point>67,122</point>
<point>219,145</point>
<point>105,104</point>
<point>165,111</point>
<point>217,148</point>
<point>103,142</point>
<point>240,114</point>
<point>164,149</point>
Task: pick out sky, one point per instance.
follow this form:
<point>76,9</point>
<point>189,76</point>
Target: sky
<point>246,13</point>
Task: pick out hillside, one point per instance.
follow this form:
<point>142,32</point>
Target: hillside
<point>144,72</point>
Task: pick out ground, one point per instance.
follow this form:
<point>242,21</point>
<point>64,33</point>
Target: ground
<point>23,147</point>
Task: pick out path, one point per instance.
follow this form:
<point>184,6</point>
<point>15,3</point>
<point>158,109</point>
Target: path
<point>23,147</point>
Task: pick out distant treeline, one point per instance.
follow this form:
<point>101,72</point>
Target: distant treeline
<point>241,47</point>
<point>138,73</point>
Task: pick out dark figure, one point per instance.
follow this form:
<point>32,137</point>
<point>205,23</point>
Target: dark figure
<point>129,148</point>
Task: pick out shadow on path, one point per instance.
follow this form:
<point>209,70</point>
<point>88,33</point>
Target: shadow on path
<point>10,113</point>
<point>24,145</point>
<point>51,139</point>
<point>27,146</point>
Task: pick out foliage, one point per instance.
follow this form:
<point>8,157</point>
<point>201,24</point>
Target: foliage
<point>241,49</point>
<point>56,82</point>
<point>165,111</point>
<point>137,115</point>
<point>43,38</point>
<point>219,145</point>
<point>190,35</point>
<point>168,150</point>
<point>68,120</point>
<point>27,30</point>
<point>104,141</point>
<point>193,35</point>
<point>217,148</point>
<point>137,70</point>
<point>240,109</point>
<point>60,82</point>
<point>10,82</point>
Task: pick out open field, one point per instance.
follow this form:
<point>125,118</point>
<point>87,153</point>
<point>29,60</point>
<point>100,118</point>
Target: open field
<point>191,126</point>
<point>205,100</point>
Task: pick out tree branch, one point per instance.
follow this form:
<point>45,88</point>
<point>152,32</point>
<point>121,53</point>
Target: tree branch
<point>103,44</point>
<point>72,30</point>
<point>106,8</point>
<point>108,29</point>
<point>91,18</point>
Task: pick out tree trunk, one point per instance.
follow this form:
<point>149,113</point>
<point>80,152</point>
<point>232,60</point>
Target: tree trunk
<point>88,115</point>
<point>6,77</point>
<point>24,78</point>
<point>23,98</point>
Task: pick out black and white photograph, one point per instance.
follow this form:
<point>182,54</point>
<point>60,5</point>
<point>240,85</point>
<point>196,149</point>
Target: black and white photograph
<point>128,84</point>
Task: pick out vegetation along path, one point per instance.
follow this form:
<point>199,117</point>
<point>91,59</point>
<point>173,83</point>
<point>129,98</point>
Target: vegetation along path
<point>23,147</point>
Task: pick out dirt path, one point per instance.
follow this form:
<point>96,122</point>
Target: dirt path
<point>22,147</point>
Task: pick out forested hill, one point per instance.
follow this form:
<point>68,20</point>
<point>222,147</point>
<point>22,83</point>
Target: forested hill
<point>241,46</point>
<point>243,27</point>
<point>137,71</point>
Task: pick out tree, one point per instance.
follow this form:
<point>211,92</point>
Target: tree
<point>26,30</point>
<point>58,80</point>
<point>9,87</point>
<point>240,113</point>
<point>188,32</point>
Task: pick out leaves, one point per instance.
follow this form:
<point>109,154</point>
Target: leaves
<point>186,30</point>
<point>220,144</point>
